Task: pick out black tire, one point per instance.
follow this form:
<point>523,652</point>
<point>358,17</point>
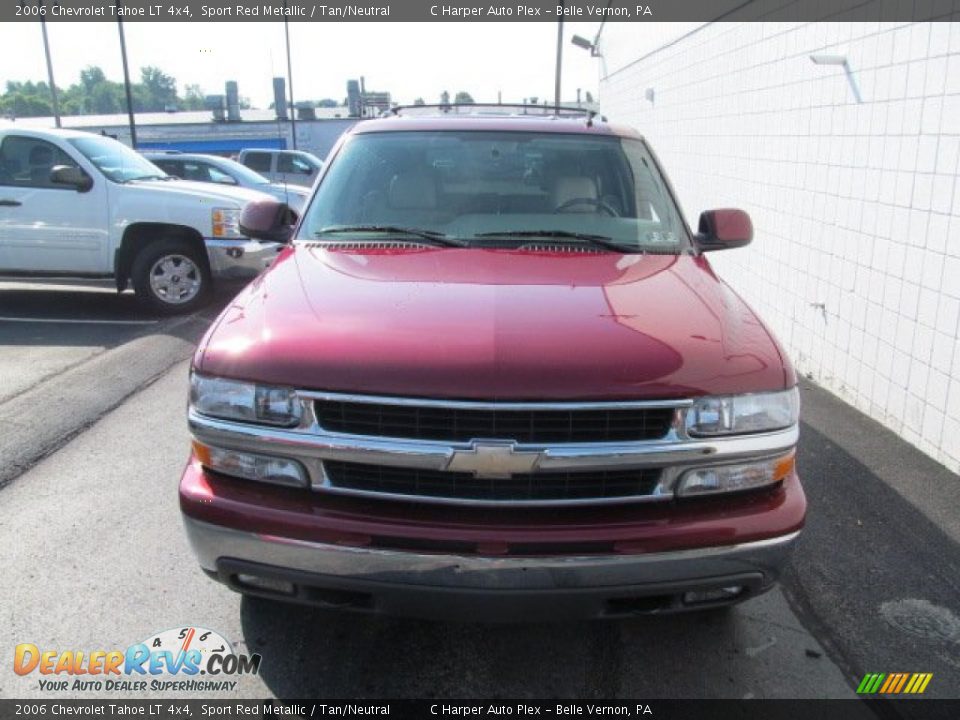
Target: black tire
<point>171,277</point>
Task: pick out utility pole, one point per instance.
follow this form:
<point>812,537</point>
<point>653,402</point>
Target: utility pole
<point>293,108</point>
<point>53,86</point>
<point>126,76</point>
<point>556,88</point>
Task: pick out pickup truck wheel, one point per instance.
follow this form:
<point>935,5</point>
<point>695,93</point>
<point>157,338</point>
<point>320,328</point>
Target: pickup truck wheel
<point>170,277</point>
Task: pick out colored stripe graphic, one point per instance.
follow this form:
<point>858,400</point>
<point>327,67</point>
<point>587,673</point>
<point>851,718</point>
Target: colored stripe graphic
<point>894,683</point>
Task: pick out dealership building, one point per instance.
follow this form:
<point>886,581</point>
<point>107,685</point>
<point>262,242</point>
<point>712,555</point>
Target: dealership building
<point>841,140</point>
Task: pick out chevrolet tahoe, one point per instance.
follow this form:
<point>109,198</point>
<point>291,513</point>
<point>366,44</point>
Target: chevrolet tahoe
<point>493,375</point>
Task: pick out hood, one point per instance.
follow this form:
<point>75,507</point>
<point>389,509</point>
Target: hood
<point>294,195</point>
<point>280,188</point>
<point>494,324</point>
<point>224,194</point>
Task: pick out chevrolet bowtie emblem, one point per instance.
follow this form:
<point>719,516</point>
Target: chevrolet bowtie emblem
<point>487,459</point>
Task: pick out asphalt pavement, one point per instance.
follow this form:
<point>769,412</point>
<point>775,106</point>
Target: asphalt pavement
<point>96,558</point>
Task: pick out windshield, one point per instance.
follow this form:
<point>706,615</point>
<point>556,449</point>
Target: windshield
<point>115,160</point>
<point>498,188</point>
<point>242,173</point>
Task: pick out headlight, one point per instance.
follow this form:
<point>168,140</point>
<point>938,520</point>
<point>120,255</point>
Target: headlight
<point>251,466</point>
<point>733,478</point>
<point>247,402</point>
<point>226,222</point>
<point>738,414</point>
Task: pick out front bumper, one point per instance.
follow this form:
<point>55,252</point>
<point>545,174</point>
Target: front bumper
<point>240,258</point>
<point>612,562</point>
<point>439,586</point>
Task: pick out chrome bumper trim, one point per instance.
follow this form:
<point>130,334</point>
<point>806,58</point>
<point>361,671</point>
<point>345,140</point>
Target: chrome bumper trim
<point>239,258</point>
<point>213,542</point>
<point>482,405</point>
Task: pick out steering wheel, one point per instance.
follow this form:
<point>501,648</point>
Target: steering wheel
<point>593,202</point>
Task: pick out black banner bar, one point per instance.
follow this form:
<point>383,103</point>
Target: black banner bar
<point>476,11</point>
<point>872,709</point>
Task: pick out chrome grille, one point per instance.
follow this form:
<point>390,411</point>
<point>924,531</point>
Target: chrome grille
<point>422,484</point>
<point>456,423</point>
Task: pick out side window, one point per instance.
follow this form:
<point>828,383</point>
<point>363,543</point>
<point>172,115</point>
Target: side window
<point>293,164</point>
<point>259,161</point>
<point>219,176</point>
<point>195,171</point>
<point>27,162</point>
<point>171,167</point>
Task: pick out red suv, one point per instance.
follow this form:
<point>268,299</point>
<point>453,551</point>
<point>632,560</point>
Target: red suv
<point>493,375</point>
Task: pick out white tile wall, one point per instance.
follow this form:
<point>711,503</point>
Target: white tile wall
<point>856,207</point>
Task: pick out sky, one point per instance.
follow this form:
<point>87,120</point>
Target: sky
<point>409,60</point>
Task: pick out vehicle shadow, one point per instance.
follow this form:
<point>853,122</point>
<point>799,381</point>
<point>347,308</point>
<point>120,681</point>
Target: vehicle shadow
<point>86,316</point>
<point>310,653</point>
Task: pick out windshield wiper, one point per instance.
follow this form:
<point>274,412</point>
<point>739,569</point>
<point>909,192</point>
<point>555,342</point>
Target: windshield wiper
<point>600,240</point>
<point>437,238</point>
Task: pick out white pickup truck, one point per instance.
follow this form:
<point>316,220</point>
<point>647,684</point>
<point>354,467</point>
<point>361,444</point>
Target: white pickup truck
<point>79,205</point>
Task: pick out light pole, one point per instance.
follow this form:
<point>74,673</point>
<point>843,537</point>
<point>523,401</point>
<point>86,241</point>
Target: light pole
<point>556,85</point>
<point>583,43</point>
<point>53,86</point>
<point>126,75</point>
<point>293,108</point>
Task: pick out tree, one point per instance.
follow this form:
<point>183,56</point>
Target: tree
<point>156,90</point>
<point>463,98</point>
<point>24,105</point>
<point>26,99</point>
<point>327,103</point>
<point>91,76</point>
<point>193,98</point>
<point>419,101</point>
<point>589,97</point>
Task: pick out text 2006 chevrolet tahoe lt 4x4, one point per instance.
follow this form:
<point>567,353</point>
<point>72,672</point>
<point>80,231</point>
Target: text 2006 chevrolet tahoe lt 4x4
<point>493,375</point>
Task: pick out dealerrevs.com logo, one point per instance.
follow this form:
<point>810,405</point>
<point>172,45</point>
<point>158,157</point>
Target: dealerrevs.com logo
<point>171,660</point>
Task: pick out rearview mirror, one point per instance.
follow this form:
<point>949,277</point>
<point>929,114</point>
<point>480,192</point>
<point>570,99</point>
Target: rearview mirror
<point>724,229</point>
<point>72,176</point>
<point>269,220</point>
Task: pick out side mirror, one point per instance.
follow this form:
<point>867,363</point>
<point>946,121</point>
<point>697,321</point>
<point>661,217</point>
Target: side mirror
<point>269,220</point>
<point>724,229</point>
<point>72,176</point>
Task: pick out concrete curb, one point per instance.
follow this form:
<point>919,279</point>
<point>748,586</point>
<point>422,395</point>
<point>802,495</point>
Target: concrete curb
<point>43,419</point>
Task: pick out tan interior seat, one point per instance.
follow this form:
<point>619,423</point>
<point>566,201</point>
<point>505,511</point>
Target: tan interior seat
<point>567,188</point>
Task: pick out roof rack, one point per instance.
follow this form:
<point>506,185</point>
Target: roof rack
<point>499,110</point>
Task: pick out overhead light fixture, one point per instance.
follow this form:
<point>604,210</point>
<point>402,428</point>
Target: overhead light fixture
<point>583,43</point>
<point>841,61</point>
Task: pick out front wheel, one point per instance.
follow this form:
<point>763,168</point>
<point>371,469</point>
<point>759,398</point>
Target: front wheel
<point>170,277</point>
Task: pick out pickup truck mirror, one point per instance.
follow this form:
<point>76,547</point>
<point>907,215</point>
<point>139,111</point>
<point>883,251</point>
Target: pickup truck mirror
<point>724,229</point>
<point>269,220</point>
<point>71,175</point>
